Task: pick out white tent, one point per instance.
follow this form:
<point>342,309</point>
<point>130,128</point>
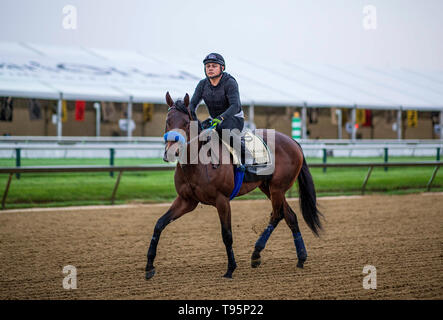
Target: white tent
<point>56,72</point>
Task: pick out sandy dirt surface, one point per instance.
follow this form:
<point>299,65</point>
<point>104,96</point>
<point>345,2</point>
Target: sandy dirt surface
<point>402,236</point>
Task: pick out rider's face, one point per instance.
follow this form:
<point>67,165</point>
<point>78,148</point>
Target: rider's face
<point>212,69</point>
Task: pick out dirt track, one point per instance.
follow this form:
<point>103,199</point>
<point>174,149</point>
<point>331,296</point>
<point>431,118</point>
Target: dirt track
<point>402,236</point>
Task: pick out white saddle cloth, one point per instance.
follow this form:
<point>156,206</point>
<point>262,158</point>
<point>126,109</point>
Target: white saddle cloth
<point>256,147</point>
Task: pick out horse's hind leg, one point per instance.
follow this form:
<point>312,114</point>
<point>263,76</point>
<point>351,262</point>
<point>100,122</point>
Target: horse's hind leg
<point>291,220</point>
<point>276,217</point>
<point>178,208</point>
<point>261,242</point>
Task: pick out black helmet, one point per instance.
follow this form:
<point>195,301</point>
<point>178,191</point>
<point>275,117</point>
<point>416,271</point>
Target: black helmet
<point>214,57</point>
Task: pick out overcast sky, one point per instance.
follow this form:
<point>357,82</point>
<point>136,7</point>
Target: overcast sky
<point>407,33</point>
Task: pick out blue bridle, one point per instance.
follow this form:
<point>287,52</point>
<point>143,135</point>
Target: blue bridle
<point>174,136</point>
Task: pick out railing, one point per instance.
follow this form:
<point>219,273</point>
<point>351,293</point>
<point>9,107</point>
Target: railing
<point>159,147</point>
<point>67,169</point>
<point>369,141</point>
<point>18,151</point>
<point>385,149</point>
<point>121,169</point>
<point>71,140</point>
<point>91,139</point>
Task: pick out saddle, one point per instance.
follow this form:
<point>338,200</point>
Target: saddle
<point>254,151</point>
<point>255,156</point>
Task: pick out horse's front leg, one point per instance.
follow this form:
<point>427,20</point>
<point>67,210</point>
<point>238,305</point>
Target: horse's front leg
<point>224,213</point>
<point>179,207</point>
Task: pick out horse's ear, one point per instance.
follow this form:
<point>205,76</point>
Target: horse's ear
<point>186,101</point>
<point>169,100</point>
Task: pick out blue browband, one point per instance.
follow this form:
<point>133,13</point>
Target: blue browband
<point>174,136</point>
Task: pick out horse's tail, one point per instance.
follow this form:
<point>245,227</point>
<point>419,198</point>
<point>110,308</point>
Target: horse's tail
<point>308,199</point>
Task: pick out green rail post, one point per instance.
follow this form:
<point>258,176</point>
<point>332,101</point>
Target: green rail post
<point>386,158</point>
<point>363,188</point>
<point>18,160</point>
<point>114,192</point>
<point>428,186</point>
<point>438,154</point>
<point>5,194</point>
<point>325,157</point>
<point>111,160</point>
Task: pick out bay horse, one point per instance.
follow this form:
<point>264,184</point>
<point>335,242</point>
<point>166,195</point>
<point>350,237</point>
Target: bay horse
<point>204,183</point>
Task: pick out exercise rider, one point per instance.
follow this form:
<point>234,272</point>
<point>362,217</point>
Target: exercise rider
<point>219,90</point>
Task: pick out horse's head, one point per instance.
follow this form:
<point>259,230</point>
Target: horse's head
<point>177,124</point>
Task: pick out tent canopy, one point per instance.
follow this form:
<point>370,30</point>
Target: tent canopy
<point>50,72</point>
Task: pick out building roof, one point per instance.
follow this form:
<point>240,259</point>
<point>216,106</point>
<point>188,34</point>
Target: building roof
<point>77,73</point>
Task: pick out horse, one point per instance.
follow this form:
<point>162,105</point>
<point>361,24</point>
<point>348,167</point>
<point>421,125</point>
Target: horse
<point>210,185</point>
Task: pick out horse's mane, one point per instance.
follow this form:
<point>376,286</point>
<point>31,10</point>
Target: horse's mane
<point>180,106</point>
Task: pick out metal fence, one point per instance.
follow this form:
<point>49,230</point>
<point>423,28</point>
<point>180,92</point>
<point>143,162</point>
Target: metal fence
<point>155,149</point>
<point>67,169</point>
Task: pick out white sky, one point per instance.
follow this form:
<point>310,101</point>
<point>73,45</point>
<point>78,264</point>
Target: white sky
<point>408,33</point>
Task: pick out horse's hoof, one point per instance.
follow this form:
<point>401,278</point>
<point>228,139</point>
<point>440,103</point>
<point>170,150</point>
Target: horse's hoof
<point>255,259</point>
<point>300,264</point>
<point>255,262</point>
<point>228,274</point>
<point>150,274</point>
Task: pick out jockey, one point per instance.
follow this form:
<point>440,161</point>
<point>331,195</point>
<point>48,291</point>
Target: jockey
<point>219,90</point>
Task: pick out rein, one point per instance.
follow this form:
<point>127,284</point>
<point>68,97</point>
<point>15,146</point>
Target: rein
<point>203,131</point>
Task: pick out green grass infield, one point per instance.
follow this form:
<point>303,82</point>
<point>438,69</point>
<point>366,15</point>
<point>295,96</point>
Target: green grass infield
<point>68,189</point>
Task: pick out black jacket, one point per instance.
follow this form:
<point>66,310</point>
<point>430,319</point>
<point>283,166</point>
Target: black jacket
<point>221,100</point>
